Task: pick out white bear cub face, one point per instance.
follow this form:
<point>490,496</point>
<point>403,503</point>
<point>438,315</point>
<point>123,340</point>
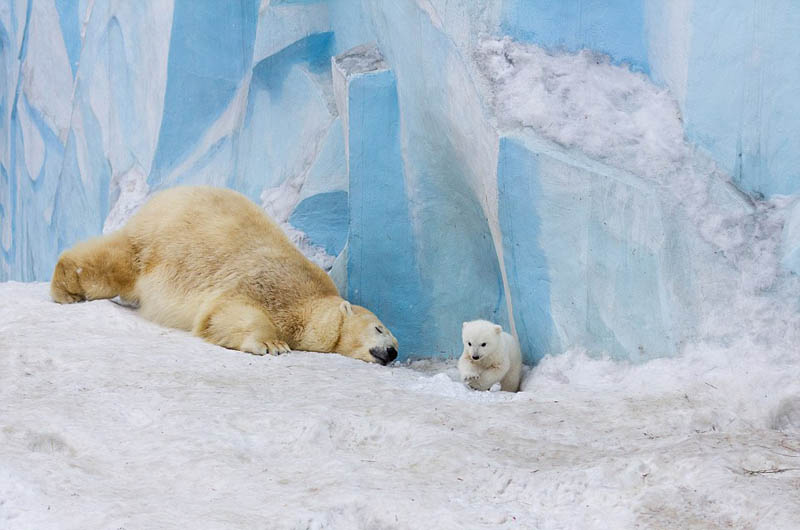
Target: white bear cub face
<point>481,339</point>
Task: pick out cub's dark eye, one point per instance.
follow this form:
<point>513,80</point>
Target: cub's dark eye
<point>483,345</point>
<point>469,344</point>
<point>379,330</point>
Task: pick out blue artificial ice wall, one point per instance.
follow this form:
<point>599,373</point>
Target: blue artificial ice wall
<point>365,125</point>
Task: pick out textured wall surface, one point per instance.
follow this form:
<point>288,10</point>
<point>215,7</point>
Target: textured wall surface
<point>370,131</point>
<point>731,64</point>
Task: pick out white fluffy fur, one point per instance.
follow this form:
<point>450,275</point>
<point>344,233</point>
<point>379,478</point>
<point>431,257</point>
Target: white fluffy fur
<point>490,356</point>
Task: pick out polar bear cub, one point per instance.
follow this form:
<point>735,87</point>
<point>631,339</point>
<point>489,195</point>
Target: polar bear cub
<point>490,356</point>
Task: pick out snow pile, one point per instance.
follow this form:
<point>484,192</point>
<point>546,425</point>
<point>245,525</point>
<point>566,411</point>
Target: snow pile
<point>109,421</point>
<point>583,101</point>
<point>361,59</point>
<point>132,191</point>
<point>313,252</point>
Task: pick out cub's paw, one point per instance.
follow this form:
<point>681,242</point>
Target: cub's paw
<point>473,381</point>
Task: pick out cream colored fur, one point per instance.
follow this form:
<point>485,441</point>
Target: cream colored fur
<point>209,261</point>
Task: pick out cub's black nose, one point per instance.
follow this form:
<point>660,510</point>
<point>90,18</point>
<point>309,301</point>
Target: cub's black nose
<point>476,357</point>
<point>391,354</point>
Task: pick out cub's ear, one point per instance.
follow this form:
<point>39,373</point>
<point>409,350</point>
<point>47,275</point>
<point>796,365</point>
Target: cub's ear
<point>345,308</point>
<point>463,325</point>
<point>498,329</point>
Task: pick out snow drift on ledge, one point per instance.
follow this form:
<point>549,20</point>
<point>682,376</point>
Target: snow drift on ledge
<point>109,421</point>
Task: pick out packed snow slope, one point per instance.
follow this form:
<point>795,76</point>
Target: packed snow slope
<point>109,421</point>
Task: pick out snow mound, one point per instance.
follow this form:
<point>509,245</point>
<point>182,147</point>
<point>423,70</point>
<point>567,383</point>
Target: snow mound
<point>132,191</point>
<point>313,252</point>
<point>109,421</point>
<point>787,415</point>
<point>583,101</point>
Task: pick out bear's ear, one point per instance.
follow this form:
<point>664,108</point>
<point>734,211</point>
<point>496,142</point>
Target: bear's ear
<point>498,329</point>
<point>345,308</point>
<point>463,325</point>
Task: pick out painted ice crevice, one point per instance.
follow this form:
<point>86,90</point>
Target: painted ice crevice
<point>279,203</point>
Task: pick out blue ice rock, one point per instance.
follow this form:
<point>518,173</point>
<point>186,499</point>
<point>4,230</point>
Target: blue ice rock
<point>741,96</point>
<point>323,218</point>
<point>203,73</point>
<point>790,244</point>
<point>382,271</point>
<point>405,222</point>
<point>449,155</point>
<point>618,285</point>
<point>731,65</point>
<point>614,27</point>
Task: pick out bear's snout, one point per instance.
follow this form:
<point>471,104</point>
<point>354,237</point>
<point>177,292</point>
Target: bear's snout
<point>384,355</point>
<point>475,356</point>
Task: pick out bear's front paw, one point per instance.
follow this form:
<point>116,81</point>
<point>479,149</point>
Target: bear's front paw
<point>257,347</point>
<point>277,347</point>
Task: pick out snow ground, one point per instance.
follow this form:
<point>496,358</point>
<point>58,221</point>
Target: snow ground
<point>109,421</point>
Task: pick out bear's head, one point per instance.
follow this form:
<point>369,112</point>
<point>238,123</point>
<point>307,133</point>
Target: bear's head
<point>481,339</point>
<point>363,336</point>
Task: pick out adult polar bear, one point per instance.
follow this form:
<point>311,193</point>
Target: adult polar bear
<point>209,261</point>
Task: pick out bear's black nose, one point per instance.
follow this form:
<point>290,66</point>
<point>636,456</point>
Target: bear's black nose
<point>384,355</point>
<point>476,357</point>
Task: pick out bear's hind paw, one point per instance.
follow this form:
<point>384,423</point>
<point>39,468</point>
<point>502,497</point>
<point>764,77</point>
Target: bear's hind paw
<point>64,297</point>
<point>65,287</point>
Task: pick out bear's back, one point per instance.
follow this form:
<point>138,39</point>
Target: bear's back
<point>203,222</point>
<point>198,240</point>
